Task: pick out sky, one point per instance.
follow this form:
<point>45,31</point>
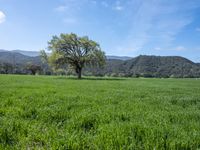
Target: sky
<point>121,27</point>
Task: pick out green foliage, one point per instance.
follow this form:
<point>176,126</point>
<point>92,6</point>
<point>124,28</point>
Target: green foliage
<point>43,56</point>
<point>149,66</point>
<point>75,51</point>
<point>141,66</point>
<point>38,112</point>
<point>33,68</point>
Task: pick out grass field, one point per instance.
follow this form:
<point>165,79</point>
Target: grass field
<point>38,112</point>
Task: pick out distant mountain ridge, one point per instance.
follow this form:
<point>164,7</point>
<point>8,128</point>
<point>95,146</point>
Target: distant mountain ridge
<point>27,53</point>
<point>37,53</point>
<point>141,66</point>
<point>118,57</point>
<point>17,58</point>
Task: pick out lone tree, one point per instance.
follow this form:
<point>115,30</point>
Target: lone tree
<point>75,51</point>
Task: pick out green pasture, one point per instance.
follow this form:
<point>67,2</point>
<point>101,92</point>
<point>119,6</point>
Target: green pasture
<point>52,112</point>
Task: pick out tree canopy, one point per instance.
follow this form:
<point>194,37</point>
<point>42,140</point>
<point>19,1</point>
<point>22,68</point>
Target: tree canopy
<point>33,68</point>
<point>75,51</point>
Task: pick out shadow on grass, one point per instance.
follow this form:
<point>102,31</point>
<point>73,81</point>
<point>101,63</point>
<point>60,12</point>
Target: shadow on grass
<point>92,78</point>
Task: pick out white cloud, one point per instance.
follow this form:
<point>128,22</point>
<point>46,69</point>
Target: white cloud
<point>176,48</point>
<point>71,6</point>
<point>68,15</point>
<point>157,48</point>
<point>61,8</point>
<point>142,22</point>
<point>118,6</point>
<point>94,2</point>
<point>2,17</point>
<point>70,10</point>
<point>179,48</point>
<point>155,22</point>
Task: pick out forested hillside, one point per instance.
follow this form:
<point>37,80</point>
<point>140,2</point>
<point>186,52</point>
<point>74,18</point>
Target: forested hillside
<point>141,66</point>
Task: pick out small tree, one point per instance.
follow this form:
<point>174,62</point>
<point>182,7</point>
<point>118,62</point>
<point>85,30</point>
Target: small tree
<point>33,68</point>
<point>69,49</point>
<point>7,68</point>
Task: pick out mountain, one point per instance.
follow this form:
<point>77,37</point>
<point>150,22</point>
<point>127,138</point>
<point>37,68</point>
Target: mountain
<point>150,66</point>
<point>24,52</point>
<point>37,53</point>
<point>141,66</point>
<point>15,63</point>
<point>28,53</point>
<point>118,57</point>
<point>160,66</point>
<point>1,50</point>
<point>17,58</point>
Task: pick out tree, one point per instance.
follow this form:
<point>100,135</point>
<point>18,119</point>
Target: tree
<point>44,65</point>
<point>33,68</point>
<point>69,49</point>
<point>7,68</point>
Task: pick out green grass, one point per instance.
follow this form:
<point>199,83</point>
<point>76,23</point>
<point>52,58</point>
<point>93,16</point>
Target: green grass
<point>38,112</point>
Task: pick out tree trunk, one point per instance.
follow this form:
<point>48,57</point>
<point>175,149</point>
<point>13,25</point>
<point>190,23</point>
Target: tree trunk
<point>79,72</point>
<point>33,72</point>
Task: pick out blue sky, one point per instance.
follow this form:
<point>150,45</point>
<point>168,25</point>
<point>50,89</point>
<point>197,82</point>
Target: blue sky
<point>121,27</point>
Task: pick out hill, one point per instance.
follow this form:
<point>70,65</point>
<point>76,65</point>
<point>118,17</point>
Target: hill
<point>37,53</point>
<point>141,66</point>
<point>160,66</point>
<point>118,57</point>
<point>15,63</point>
<point>23,52</point>
<point>28,53</point>
<point>17,58</point>
<point>151,66</point>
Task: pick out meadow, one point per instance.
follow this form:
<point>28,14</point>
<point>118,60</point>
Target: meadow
<point>49,112</point>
